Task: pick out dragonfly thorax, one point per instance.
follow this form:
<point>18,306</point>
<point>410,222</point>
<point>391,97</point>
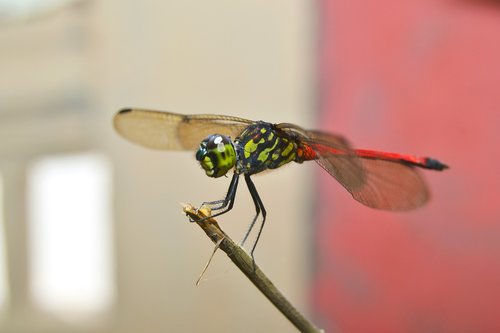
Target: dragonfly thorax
<point>262,146</point>
<point>216,155</point>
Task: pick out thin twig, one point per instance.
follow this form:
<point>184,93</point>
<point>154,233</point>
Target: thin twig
<point>208,262</point>
<point>246,264</point>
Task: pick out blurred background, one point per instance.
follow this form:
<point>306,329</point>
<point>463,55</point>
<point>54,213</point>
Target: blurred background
<point>92,235</point>
<point>94,238</point>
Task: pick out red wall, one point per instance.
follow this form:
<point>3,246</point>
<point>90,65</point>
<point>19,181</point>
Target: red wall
<point>419,77</point>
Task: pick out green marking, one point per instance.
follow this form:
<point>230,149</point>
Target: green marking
<point>290,158</point>
<point>207,163</point>
<point>226,159</point>
<point>263,156</point>
<point>251,146</point>
<point>287,150</point>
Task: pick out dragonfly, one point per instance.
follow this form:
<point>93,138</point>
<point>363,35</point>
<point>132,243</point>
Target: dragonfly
<point>380,180</point>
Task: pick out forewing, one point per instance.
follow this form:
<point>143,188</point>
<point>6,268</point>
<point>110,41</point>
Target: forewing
<point>172,131</point>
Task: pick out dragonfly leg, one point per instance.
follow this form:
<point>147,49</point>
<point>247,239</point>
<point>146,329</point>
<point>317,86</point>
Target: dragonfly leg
<point>226,204</point>
<point>259,207</point>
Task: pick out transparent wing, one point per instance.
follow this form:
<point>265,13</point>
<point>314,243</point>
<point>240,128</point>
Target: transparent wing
<point>391,185</point>
<point>375,182</point>
<point>171,131</point>
<point>338,159</point>
<point>333,153</point>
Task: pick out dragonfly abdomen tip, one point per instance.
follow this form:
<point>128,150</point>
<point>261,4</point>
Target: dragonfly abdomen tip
<point>433,164</point>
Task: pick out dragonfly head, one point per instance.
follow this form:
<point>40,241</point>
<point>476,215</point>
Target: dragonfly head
<point>216,155</point>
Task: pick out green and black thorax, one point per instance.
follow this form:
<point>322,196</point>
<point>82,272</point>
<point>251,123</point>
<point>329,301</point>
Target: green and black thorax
<point>260,146</point>
<point>263,146</point>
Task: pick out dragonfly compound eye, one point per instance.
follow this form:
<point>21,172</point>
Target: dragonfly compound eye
<point>216,155</point>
